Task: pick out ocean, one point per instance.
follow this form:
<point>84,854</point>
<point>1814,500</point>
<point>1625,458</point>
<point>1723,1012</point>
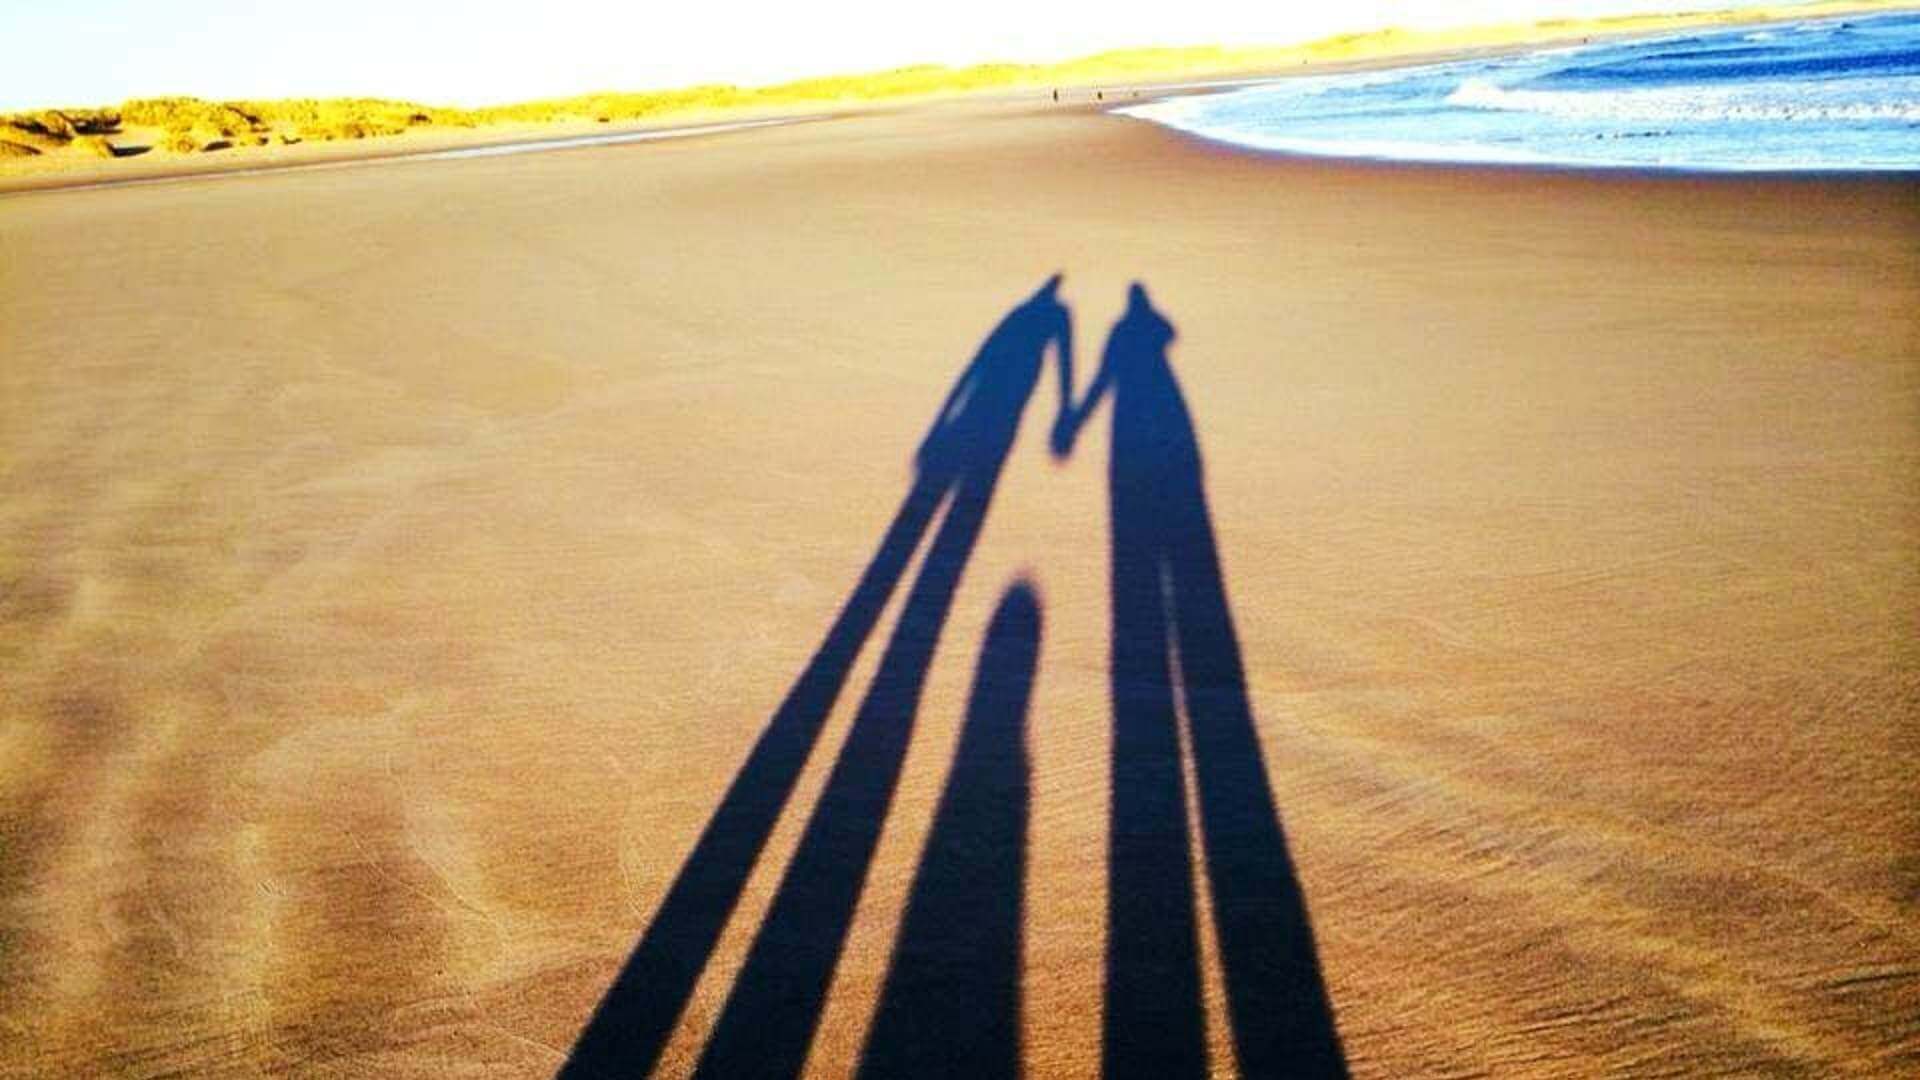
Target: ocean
<point>1832,94</point>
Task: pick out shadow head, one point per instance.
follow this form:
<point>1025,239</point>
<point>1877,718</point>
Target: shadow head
<point>1138,302</point>
<point>1017,618</point>
<point>1141,312</point>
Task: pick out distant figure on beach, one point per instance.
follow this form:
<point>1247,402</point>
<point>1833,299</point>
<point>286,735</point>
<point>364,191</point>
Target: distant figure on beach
<point>1056,95</point>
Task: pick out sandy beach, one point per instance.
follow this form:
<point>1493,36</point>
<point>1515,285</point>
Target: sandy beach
<point>399,563</point>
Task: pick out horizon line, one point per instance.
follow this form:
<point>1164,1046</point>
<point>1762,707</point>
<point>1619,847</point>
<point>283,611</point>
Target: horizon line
<point>1777,12</point>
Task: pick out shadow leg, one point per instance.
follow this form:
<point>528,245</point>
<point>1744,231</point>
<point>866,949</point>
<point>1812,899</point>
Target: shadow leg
<point>768,1023</point>
<point>1277,1001</point>
<point>637,1016</point>
<point>1154,1026</point>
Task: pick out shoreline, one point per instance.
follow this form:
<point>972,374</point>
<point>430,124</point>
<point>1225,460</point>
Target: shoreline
<point>31,176</point>
<point>1824,174</point>
<point>1481,154</point>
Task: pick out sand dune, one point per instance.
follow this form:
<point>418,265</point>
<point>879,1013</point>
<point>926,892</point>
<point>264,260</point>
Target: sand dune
<point>398,563</point>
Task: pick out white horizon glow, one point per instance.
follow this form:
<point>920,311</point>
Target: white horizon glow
<point>101,52</point>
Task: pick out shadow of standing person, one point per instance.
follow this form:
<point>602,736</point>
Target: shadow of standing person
<point>769,1019</point>
<point>770,1016</point>
<point>1174,646</point>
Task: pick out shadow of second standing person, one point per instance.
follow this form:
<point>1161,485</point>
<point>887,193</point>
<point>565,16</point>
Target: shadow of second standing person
<point>1175,655</point>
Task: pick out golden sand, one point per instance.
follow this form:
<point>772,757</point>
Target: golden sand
<point>398,563</point>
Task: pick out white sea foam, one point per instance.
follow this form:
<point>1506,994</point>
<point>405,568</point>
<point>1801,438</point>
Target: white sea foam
<point>1842,100</point>
<point>1820,96</point>
<point>1473,153</point>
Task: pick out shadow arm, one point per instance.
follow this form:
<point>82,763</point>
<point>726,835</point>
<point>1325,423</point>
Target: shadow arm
<point>956,398</point>
<point>1067,428</point>
<point>1063,353</point>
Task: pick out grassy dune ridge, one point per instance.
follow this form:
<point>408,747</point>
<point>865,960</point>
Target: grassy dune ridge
<point>187,125</point>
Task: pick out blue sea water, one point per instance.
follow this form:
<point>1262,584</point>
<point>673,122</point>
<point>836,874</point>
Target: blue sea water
<point>1819,95</point>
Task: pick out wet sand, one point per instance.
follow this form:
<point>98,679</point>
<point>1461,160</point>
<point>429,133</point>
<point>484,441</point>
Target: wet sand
<point>399,563</point>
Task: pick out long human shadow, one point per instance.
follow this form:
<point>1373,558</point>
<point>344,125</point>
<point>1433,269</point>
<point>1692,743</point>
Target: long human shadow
<point>769,1019</point>
<point>1174,646</point>
<point>950,1006</point>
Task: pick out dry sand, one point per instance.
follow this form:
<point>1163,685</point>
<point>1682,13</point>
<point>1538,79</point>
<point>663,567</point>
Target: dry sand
<point>398,562</point>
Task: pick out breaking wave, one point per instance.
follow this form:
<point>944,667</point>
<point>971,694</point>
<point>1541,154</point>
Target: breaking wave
<point>1821,95</point>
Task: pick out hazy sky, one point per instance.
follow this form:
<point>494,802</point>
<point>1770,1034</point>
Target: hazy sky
<point>81,52</point>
